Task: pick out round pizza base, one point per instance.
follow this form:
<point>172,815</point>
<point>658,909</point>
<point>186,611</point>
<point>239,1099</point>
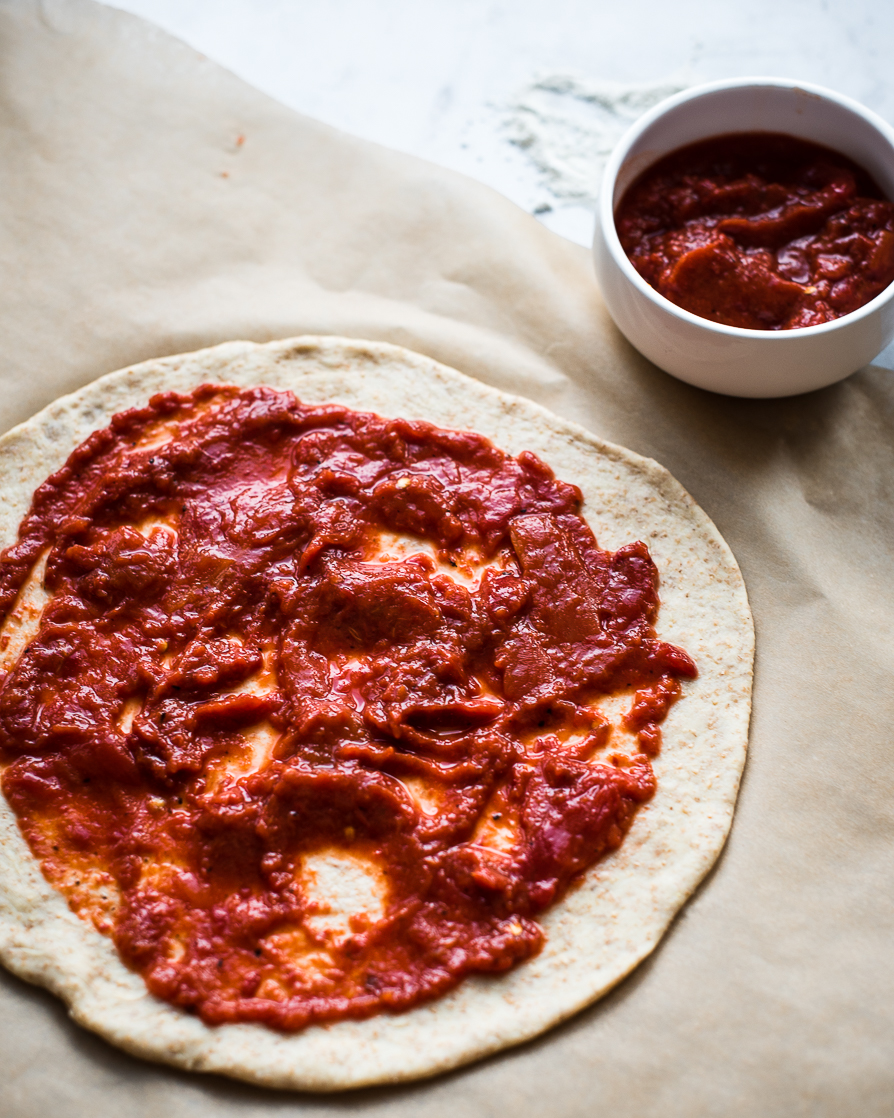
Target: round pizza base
<point>623,905</point>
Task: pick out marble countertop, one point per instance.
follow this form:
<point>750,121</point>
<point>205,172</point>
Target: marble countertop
<point>526,96</point>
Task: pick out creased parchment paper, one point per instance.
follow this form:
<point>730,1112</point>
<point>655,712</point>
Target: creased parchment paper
<point>151,204</point>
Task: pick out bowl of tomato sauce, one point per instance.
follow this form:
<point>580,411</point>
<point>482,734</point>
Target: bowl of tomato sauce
<point>745,236</point>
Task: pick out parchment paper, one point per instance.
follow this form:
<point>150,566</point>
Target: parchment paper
<point>152,203</point>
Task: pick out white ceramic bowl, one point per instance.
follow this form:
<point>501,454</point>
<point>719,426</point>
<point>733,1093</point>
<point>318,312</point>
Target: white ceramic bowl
<point>729,359</point>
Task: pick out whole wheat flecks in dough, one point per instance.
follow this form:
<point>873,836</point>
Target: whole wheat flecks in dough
<point>593,936</point>
<point>278,633</point>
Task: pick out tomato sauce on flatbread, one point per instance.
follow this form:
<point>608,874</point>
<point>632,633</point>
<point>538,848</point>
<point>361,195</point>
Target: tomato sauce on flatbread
<point>286,645</point>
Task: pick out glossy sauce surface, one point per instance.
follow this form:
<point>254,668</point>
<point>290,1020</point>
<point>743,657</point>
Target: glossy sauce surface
<point>310,723</point>
<point>759,230</point>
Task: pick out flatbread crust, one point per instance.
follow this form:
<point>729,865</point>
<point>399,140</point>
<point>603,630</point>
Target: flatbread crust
<point>602,929</point>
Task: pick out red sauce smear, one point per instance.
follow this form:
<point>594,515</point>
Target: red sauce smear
<point>759,230</point>
<point>265,564</point>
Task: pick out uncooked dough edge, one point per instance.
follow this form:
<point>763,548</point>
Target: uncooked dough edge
<point>603,928</point>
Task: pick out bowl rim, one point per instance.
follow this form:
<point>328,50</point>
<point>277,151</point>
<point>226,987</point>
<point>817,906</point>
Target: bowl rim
<point>613,243</point>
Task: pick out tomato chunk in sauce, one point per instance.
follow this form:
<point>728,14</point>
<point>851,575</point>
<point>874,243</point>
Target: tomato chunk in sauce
<point>759,230</point>
<point>309,720</point>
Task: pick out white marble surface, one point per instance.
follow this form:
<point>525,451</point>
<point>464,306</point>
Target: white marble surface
<point>454,81</point>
